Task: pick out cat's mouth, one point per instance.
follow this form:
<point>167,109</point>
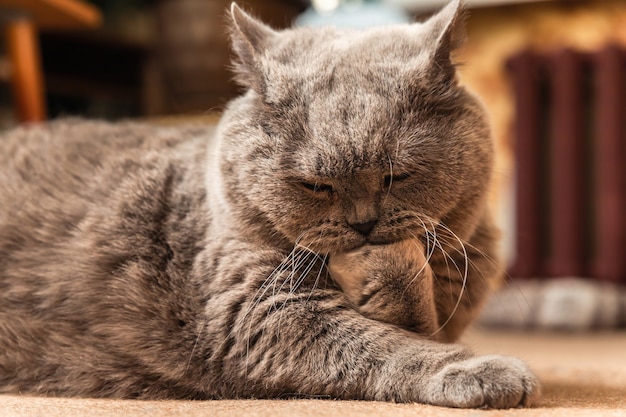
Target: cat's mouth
<point>369,241</point>
<point>347,242</point>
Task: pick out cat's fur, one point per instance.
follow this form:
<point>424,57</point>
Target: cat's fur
<point>149,262</point>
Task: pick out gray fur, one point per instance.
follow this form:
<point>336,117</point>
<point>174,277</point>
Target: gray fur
<point>145,262</point>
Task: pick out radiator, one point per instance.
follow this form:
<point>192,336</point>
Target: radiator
<point>570,156</point>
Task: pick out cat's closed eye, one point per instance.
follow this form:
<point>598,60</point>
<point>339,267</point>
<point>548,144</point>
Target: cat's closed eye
<point>317,187</point>
<point>390,179</point>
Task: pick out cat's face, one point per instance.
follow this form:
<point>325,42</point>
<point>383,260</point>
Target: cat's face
<point>347,138</point>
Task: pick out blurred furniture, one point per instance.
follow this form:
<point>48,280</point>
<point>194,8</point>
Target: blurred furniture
<point>570,158</point>
<point>95,73</point>
<point>22,20</point>
<point>191,73</point>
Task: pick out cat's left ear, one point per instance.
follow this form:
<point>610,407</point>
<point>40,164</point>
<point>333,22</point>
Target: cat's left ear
<point>446,31</point>
<point>250,38</point>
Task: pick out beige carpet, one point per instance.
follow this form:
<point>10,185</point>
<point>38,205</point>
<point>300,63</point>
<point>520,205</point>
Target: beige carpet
<point>582,375</point>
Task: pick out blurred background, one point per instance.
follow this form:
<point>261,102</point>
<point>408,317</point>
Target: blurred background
<point>551,73</point>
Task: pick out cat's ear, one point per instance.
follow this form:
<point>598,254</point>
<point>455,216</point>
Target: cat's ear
<point>446,33</point>
<point>249,38</point>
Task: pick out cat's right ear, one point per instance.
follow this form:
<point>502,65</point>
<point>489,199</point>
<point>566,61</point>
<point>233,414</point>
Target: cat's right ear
<point>446,31</point>
<point>250,38</point>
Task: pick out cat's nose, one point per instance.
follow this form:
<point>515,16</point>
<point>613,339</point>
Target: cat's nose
<point>364,228</point>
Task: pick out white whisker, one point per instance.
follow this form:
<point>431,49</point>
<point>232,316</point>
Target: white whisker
<point>464,274</point>
<point>390,176</point>
<point>290,260</point>
<point>195,344</point>
<point>317,278</point>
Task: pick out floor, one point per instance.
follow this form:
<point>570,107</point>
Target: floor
<point>583,374</point>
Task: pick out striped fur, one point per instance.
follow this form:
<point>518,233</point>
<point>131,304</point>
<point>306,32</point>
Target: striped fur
<point>145,262</point>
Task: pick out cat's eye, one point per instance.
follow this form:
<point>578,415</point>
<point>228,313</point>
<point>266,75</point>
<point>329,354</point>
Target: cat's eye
<point>390,179</point>
<point>317,187</point>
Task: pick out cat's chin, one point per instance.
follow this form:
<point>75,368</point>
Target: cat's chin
<point>347,243</point>
<point>347,240</point>
<point>385,239</point>
<point>362,244</point>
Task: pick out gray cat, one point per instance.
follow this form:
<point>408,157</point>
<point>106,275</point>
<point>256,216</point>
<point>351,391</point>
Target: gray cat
<point>145,262</point>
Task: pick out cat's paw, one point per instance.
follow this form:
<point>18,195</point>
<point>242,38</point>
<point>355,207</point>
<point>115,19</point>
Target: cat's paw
<point>354,270</point>
<point>484,381</point>
<point>391,283</point>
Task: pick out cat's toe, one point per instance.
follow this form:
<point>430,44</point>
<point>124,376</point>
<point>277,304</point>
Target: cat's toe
<point>484,381</point>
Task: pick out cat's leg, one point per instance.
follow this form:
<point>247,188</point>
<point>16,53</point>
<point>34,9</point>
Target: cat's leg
<point>289,336</point>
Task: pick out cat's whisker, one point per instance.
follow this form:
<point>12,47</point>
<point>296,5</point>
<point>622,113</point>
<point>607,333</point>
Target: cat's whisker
<point>308,252</point>
<point>492,262</point>
<point>448,259</point>
<point>305,256</point>
<point>296,265</point>
<point>279,268</point>
<point>429,249</point>
<point>427,258</point>
<point>464,274</point>
<point>461,242</point>
<point>301,277</point>
<point>436,245</point>
<point>421,270</point>
<point>291,260</point>
<point>257,300</point>
<point>308,247</point>
<point>468,263</point>
<point>390,177</point>
<point>466,246</point>
<point>397,149</point>
<point>305,273</point>
<point>473,264</point>
<point>317,278</point>
<point>195,344</point>
<point>506,278</point>
<point>270,281</point>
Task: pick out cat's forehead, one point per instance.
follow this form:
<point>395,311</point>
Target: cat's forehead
<point>398,42</point>
<point>346,135</point>
<point>340,61</point>
<point>351,90</point>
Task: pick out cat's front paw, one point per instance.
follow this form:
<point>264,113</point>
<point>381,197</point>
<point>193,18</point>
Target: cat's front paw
<point>392,283</point>
<point>484,381</point>
<point>364,270</point>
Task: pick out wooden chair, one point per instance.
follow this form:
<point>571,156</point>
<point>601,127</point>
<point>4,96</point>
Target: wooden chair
<point>21,20</point>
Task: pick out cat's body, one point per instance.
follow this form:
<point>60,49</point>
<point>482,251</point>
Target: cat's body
<point>185,263</point>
